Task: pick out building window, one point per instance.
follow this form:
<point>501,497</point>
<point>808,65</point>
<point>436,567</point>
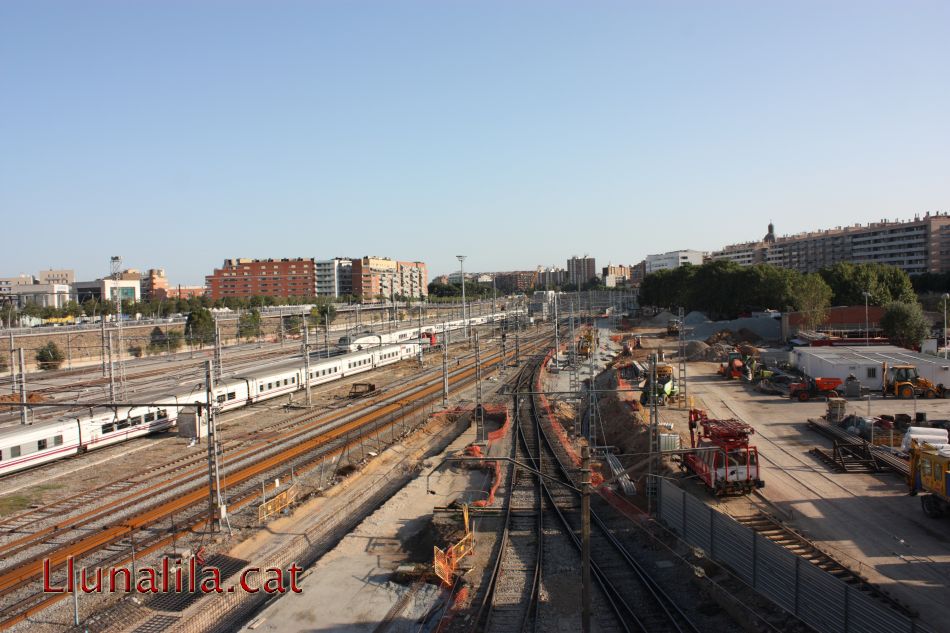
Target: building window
<point>872,372</point>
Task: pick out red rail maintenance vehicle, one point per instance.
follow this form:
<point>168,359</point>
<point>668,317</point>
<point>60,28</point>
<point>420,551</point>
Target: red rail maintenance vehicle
<point>722,457</point>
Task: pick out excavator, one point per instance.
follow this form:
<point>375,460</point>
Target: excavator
<point>904,381</point>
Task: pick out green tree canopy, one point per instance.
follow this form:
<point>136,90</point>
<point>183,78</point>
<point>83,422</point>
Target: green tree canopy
<point>50,356</point>
<point>905,324</point>
<point>884,283</point>
<point>812,296</point>
<point>199,328</point>
<point>249,324</point>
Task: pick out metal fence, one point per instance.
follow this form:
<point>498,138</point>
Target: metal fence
<point>817,598</point>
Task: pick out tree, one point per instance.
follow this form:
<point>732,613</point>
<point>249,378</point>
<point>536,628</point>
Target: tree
<point>160,341</point>
<point>884,283</point>
<point>50,356</point>
<point>199,327</point>
<point>249,325</point>
<point>324,312</point>
<point>904,324</point>
<point>812,296</point>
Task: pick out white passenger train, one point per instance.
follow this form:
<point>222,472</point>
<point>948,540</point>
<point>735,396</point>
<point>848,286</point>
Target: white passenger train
<point>369,340</point>
<point>25,447</point>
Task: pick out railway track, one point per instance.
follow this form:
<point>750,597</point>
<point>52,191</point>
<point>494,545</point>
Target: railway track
<point>511,600</point>
<point>778,533</point>
<point>63,509</point>
<point>625,597</point>
<point>301,451</point>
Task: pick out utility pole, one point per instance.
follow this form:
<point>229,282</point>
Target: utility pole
<point>23,412</point>
<point>682,358</point>
<point>112,389</point>
<point>654,437</point>
<point>218,365</point>
<point>102,346</point>
<point>589,432</point>
<point>461,259</point>
<point>445,368</point>
<point>585,539</point>
<point>517,348</point>
<point>214,475</point>
<point>13,364</point>
<point>281,318</point>
<point>421,363</point>
<point>120,370</point>
<point>326,331</point>
<point>306,357</point>
<point>478,389</point>
<point>557,340</point>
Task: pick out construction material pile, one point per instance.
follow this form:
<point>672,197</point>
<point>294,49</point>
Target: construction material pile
<point>740,337</point>
<point>661,319</point>
<point>716,352</point>
<point>925,435</point>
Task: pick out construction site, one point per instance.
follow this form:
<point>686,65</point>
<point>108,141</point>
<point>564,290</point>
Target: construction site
<point>600,470</point>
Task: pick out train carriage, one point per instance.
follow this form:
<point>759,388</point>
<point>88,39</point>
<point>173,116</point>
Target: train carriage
<point>22,448</point>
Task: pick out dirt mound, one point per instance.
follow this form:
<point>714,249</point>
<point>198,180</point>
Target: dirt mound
<point>662,318</point>
<point>696,350</point>
<point>722,336</point>
<point>748,336</point>
<point>30,397</point>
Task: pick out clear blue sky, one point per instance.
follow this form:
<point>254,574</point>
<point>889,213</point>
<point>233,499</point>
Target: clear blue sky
<point>178,133</point>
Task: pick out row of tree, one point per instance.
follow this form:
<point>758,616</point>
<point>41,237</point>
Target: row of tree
<point>725,290</point>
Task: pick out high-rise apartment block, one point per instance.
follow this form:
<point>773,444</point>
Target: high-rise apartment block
<point>263,277</point>
<point>916,246</point>
<point>580,270</point>
<point>384,278</point>
<point>335,277</point>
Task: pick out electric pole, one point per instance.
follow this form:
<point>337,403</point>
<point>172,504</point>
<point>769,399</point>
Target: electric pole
<point>585,539</point>
<point>306,357</point>
<point>23,412</point>
<point>445,368</point>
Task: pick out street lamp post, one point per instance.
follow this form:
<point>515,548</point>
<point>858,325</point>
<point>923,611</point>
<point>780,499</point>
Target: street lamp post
<point>867,327</point>
<point>461,259</point>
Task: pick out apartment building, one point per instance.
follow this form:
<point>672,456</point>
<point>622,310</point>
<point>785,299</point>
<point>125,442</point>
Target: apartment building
<point>382,277</point>
<point>673,259</point>
<point>580,270</point>
<point>62,276</point>
<point>916,246</point>
<point>335,277</point>
<point>549,278</point>
<point>154,284</point>
<point>263,277</point>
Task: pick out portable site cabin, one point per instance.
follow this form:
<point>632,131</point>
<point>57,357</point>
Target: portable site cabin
<point>865,363</point>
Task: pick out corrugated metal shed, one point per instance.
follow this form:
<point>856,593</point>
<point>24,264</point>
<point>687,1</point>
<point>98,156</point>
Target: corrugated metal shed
<point>865,363</point>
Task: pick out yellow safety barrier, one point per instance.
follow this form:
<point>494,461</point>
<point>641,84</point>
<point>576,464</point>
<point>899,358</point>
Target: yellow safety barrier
<point>274,506</point>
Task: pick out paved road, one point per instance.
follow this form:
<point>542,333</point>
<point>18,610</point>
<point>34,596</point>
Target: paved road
<point>867,521</point>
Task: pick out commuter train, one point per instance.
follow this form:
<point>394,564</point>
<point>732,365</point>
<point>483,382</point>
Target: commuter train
<point>25,447</point>
<point>429,333</point>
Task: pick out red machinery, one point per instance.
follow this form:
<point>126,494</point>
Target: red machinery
<point>428,336</point>
<point>733,368</point>
<point>723,458</point>
<point>814,388</point>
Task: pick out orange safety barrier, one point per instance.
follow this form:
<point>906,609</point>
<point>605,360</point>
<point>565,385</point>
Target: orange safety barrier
<point>445,563</point>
